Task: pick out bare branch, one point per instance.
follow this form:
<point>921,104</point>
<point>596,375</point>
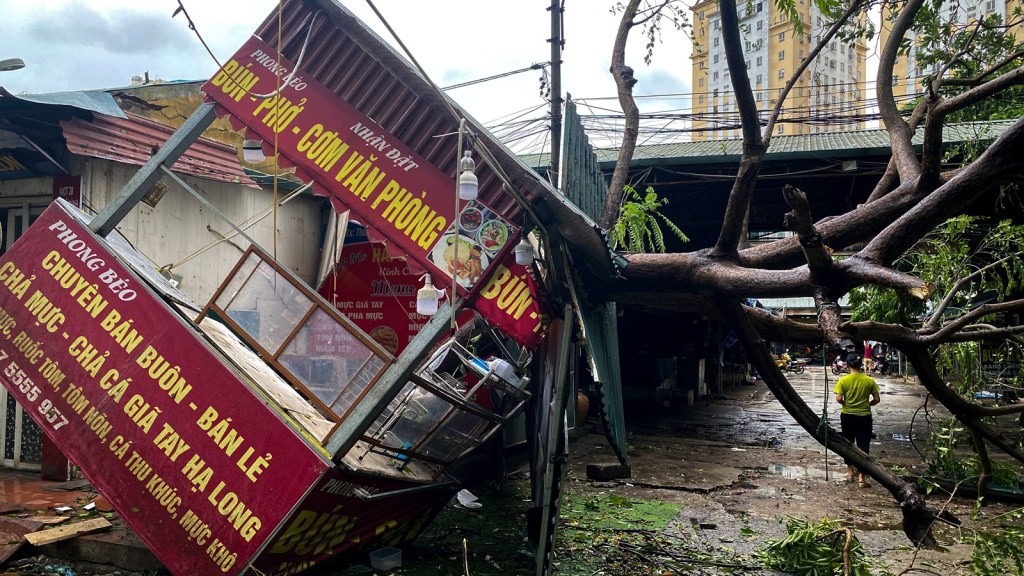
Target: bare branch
<point>861,271</point>
<point>853,8</point>
<point>899,132</point>
<point>1002,160</point>
<point>966,319</point>
<point>737,209</point>
<point>624,82</point>
<point>981,92</point>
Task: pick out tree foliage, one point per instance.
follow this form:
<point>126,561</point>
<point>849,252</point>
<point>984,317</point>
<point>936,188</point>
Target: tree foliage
<point>638,228</point>
<point>926,275</point>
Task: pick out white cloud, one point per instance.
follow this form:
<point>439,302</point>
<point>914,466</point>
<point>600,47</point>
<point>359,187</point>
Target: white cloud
<point>74,45</point>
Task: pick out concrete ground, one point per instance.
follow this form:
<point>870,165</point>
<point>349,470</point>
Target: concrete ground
<point>738,466</point>
<point>29,503</point>
<point>741,465</point>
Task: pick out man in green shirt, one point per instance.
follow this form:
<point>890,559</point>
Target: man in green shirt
<point>857,392</point>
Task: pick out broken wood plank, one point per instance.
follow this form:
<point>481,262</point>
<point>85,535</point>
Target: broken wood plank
<point>50,520</point>
<point>67,532</point>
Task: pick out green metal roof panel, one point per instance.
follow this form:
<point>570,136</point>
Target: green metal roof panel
<point>601,336</point>
<point>836,144</point>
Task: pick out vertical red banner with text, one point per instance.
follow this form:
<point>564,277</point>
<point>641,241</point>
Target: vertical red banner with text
<point>389,186</point>
<point>198,465</point>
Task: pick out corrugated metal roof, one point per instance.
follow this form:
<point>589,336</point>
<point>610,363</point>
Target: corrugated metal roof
<point>90,101</point>
<point>834,144</point>
<point>133,139</point>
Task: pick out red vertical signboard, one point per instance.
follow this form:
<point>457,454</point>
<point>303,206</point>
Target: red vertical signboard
<point>375,291</point>
<point>169,434</point>
<point>390,187</point>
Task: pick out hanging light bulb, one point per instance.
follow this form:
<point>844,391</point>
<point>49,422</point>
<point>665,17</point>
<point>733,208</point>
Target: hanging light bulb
<point>524,252</point>
<point>468,183</point>
<point>252,151</point>
<point>426,298</point>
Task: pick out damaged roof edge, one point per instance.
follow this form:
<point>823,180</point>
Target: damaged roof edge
<point>87,100</point>
<point>568,221</point>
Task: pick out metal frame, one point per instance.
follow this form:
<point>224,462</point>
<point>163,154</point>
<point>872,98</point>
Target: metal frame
<point>272,357</point>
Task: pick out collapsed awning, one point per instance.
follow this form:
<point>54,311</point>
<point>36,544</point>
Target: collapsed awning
<point>132,139</point>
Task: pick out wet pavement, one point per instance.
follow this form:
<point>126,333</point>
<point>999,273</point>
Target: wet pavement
<point>737,465</point>
<point>29,503</point>
<point>740,465</point>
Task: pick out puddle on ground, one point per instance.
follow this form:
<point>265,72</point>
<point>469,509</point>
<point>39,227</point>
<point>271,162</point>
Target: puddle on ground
<point>793,472</point>
<point>901,437</point>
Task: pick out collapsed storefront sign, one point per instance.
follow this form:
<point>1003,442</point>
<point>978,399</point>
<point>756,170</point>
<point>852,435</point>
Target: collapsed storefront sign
<point>157,422</point>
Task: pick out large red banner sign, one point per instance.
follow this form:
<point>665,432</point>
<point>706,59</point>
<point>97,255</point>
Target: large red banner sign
<point>198,465</point>
<point>389,187</point>
<point>371,172</point>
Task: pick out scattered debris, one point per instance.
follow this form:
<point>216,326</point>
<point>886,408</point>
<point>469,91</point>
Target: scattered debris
<point>66,532</point>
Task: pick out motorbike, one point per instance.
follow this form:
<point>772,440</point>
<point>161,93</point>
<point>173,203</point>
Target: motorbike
<point>883,365</point>
<point>787,364</point>
<point>839,366</point>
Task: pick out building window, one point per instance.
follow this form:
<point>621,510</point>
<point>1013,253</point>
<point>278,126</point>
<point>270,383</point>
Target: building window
<point>760,24</point>
<point>715,42</point>
<point>701,66</point>
<point>700,98</point>
<point>782,54</point>
<point>895,80</point>
<point>716,92</point>
<point>700,81</point>
<point>715,58</point>
<point>748,64</point>
<point>758,80</point>
<point>700,16</point>
<point>760,7</point>
<point>759,61</point>
<point>782,128</point>
<point>782,73</point>
<point>842,48</point>
<point>782,36</point>
<point>990,6</point>
<point>716,75</point>
<point>701,33</point>
<point>842,68</point>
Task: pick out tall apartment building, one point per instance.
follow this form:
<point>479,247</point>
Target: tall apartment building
<point>825,97</point>
<point>908,75</point>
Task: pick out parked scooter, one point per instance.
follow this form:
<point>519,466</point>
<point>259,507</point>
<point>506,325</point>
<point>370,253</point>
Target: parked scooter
<point>883,365</point>
<point>839,366</point>
<point>787,364</point>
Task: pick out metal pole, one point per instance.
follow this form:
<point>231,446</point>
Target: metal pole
<point>554,166</point>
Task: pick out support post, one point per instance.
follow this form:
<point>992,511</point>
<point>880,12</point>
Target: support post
<point>150,173</point>
<point>388,385</point>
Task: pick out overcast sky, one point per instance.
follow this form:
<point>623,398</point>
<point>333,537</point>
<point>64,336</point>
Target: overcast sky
<point>80,45</point>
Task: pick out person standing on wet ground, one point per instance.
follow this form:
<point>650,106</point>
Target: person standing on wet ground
<point>857,393</point>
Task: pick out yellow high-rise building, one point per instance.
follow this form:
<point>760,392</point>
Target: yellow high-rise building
<point>827,97</point>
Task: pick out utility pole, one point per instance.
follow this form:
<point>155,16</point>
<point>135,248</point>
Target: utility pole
<point>557,42</point>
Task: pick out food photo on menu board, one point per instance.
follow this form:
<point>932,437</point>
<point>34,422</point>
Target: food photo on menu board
<point>466,255</point>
